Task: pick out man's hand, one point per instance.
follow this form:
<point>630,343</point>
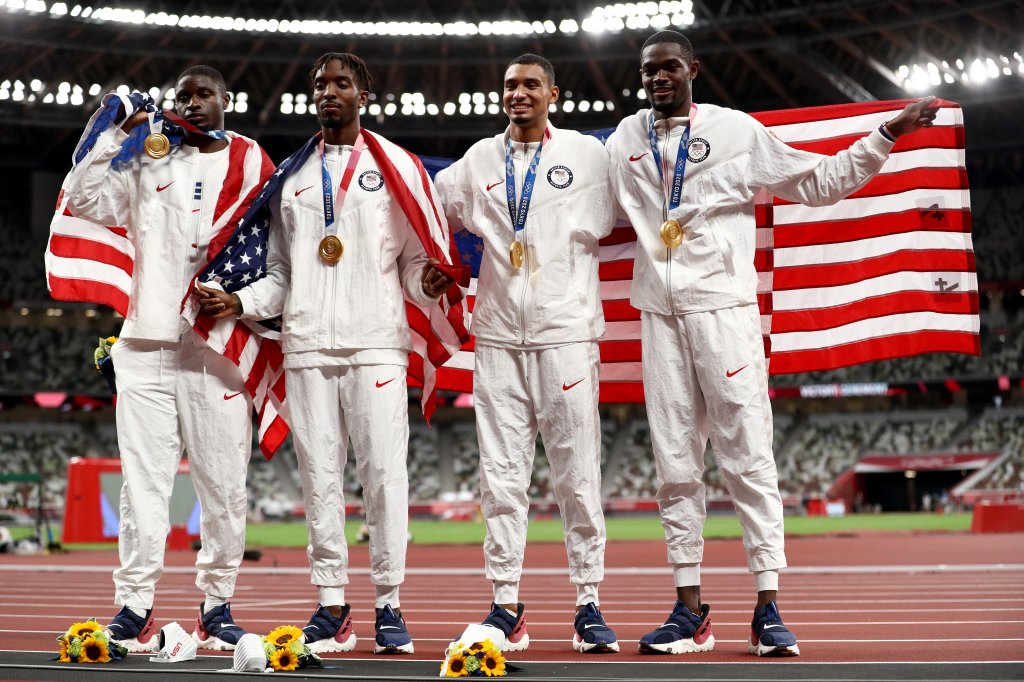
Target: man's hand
<point>435,282</point>
<point>136,119</point>
<point>216,303</point>
<point>920,114</point>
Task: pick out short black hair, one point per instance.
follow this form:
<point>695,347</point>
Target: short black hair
<point>354,64</point>
<point>530,59</point>
<point>670,37</point>
<point>208,71</point>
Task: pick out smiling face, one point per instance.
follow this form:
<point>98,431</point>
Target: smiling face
<point>201,102</point>
<point>527,95</point>
<point>667,72</point>
<point>338,96</point>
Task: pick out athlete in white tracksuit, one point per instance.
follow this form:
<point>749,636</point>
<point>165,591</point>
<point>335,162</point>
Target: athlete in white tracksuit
<point>536,328</point>
<point>174,393</point>
<point>704,368</point>
<point>346,344</point>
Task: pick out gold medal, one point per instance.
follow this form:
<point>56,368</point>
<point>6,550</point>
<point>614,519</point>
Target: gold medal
<point>157,145</point>
<point>516,254</point>
<point>331,249</point>
<point>671,233</point>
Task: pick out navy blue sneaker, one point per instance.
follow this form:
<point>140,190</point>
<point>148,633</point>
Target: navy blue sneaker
<point>513,627</point>
<point>216,630</point>
<point>768,636</point>
<point>593,636</point>
<point>324,633</point>
<point>392,635</point>
<point>133,632</point>
<point>682,633</point>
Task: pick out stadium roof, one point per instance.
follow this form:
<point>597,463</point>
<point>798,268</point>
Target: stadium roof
<point>437,64</point>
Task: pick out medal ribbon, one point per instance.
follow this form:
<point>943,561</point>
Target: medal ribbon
<point>676,194</point>
<point>331,204</point>
<point>518,215</point>
<point>178,121</point>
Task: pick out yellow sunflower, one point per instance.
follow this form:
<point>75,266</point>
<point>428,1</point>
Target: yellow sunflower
<point>493,664</point>
<point>284,659</point>
<point>84,629</point>
<point>284,635</point>
<point>94,650</point>
<point>64,658</point>
<point>457,666</point>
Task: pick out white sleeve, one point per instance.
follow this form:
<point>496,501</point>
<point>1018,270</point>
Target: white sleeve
<point>814,179</point>
<point>453,197</point>
<point>97,192</point>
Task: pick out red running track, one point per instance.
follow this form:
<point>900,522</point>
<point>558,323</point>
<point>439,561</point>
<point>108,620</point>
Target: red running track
<point>894,597</point>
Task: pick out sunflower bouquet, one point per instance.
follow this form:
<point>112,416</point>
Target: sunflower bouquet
<point>479,659</point>
<point>286,649</point>
<point>88,642</point>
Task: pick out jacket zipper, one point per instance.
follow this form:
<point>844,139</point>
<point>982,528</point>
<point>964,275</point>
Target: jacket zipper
<point>332,308</point>
<point>664,206</point>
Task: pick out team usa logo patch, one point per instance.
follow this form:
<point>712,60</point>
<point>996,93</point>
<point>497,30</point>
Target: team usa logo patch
<point>698,149</point>
<point>560,177</point>
<point>371,181</point>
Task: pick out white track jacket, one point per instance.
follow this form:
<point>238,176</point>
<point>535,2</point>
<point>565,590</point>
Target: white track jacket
<point>554,298</point>
<point>154,201</point>
<point>356,303</point>
<point>731,158</point>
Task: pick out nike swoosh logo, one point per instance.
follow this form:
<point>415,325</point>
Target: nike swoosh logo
<point>730,375</point>
<point>228,396</point>
<point>637,158</point>
<point>490,187</point>
<point>384,383</point>
<point>162,188</point>
<point>566,388</point>
<point>389,627</point>
<point>769,627</point>
<point>300,191</point>
<point>592,625</point>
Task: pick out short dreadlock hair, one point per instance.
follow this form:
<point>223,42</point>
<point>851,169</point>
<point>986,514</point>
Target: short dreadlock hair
<point>356,65</point>
<point>208,71</point>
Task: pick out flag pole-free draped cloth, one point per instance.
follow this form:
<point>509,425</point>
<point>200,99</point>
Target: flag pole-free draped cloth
<point>887,272</point>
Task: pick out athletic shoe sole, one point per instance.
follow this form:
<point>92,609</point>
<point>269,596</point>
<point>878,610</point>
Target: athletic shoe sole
<point>680,646</point>
<point>600,648</point>
<point>331,645</point>
<point>393,650</point>
<point>758,649</point>
<point>212,643</point>
<point>520,644</point>
<point>135,646</point>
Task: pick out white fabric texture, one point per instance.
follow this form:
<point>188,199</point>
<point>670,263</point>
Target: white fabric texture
<point>368,405</point>
<point>516,394</point>
<point>357,303</point>
<point>714,266</point>
<point>554,298</point>
<point>705,377</point>
<point>170,397</point>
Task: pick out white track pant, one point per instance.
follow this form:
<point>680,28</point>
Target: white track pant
<point>170,397</point>
<point>705,375</point>
<point>555,390</point>
<point>369,404</point>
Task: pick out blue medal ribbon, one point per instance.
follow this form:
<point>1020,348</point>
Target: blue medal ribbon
<point>518,215</point>
<point>676,194</point>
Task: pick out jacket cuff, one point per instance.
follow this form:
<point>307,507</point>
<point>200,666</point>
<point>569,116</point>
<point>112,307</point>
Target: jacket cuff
<point>878,144</point>
<point>248,304</point>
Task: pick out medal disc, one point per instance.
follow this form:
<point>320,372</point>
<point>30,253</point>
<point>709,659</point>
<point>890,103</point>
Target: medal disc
<point>157,145</point>
<point>516,254</point>
<point>331,249</point>
<point>671,233</point>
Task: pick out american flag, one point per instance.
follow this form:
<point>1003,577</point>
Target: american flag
<point>887,272</point>
<point>437,332</point>
<point>94,263</point>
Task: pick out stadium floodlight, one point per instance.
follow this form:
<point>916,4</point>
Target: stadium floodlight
<point>390,109</point>
<point>58,9</point>
<point>373,110</point>
<point>450,108</point>
<point>568,106</point>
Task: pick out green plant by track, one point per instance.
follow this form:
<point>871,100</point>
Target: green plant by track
<point>633,527</point>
